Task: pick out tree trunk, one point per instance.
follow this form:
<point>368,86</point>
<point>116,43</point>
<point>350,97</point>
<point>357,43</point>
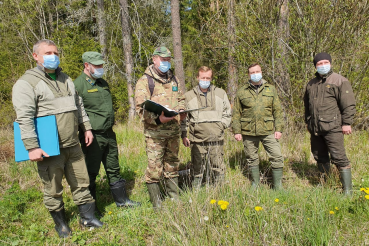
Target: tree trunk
<point>127,46</point>
<point>177,44</point>
<point>102,26</point>
<point>232,70</point>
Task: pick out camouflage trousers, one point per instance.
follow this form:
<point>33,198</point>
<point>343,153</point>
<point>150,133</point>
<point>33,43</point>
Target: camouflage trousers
<point>162,155</point>
<point>207,160</point>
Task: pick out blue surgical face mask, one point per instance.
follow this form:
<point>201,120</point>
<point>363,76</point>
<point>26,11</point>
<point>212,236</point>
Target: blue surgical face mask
<point>51,62</point>
<point>204,84</point>
<point>164,66</point>
<point>256,77</point>
<point>99,72</point>
<point>323,69</point>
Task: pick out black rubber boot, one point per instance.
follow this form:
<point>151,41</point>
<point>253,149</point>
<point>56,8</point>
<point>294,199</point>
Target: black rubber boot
<point>61,225</point>
<point>87,214</point>
<point>346,180</point>
<point>277,174</point>
<point>119,193</point>
<point>92,189</point>
<point>172,189</point>
<point>324,169</point>
<point>255,176</point>
<point>155,194</point>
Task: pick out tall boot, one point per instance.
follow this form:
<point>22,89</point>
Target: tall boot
<point>324,169</point>
<point>155,194</point>
<point>87,214</point>
<point>255,176</point>
<point>120,195</point>
<point>346,180</point>
<point>171,186</point>
<point>196,183</point>
<point>92,188</point>
<point>277,174</point>
<point>61,225</point>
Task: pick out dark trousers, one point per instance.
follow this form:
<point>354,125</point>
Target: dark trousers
<point>328,147</point>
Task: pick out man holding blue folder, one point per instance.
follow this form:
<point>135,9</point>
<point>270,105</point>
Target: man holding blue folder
<point>44,91</point>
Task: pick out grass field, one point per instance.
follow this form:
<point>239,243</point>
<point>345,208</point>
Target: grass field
<point>304,213</point>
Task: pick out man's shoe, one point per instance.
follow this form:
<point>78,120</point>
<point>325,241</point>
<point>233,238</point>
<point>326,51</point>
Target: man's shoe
<point>87,214</point>
<point>277,174</point>
<point>255,176</point>
<point>172,189</point>
<point>346,180</point>
<point>120,195</point>
<point>155,194</point>
<point>61,225</point>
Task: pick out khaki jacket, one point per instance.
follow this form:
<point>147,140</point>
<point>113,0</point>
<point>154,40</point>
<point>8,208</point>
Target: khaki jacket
<point>329,103</point>
<point>36,94</point>
<point>257,112</point>
<point>207,125</point>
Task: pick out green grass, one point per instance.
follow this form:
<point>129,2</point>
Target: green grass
<point>300,217</point>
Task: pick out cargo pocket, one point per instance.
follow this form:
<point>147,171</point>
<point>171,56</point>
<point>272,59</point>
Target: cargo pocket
<point>327,122</point>
<point>268,123</point>
<point>43,172</point>
<point>246,124</point>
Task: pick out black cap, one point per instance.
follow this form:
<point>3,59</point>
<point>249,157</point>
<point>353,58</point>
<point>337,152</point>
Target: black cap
<point>322,56</point>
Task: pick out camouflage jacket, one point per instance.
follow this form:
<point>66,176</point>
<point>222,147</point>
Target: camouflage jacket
<point>167,93</point>
<point>329,103</point>
<point>257,112</point>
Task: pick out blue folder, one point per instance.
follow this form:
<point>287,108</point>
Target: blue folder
<point>47,136</point>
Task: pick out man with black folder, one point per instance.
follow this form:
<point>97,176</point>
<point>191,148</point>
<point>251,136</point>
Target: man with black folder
<point>42,91</point>
<point>98,103</point>
<point>206,128</point>
<point>162,133</point>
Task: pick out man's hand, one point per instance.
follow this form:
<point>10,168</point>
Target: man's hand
<point>182,116</point>
<point>277,135</point>
<point>163,119</point>
<point>238,137</point>
<point>36,154</point>
<point>346,130</point>
<point>186,142</point>
<point>89,137</point>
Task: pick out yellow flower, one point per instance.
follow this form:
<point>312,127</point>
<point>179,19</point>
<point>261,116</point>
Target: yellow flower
<point>110,212</point>
<point>258,208</point>
<point>367,197</point>
<point>331,212</point>
<point>366,191</point>
<point>276,200</point>
<point>227,226</point>
<point>220,202</point>
<point>223,206</point>
<point>336,208</point>
<point>308,218</point>
<point>362,189</point>
<point>213,201</point>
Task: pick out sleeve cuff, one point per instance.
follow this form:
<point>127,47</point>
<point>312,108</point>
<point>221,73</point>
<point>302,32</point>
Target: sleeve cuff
<point>157,121</point>
<point>184,134</point>
<point>85,126</point>
<point>31,143</point>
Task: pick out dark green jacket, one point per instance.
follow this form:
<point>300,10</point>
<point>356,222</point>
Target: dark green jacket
<point>329,103</point>
<point>97,100</point>
<point>257,112</point>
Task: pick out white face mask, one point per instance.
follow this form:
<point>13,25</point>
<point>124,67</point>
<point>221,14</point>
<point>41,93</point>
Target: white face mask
<point>204,84</point>
<point>96,73</point>
<point>323,69</point>
<point>255,77</point>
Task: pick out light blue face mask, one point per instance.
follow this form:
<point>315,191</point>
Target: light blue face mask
<point>99,72</point>
<point>204,84</point>
<point>164,66</point>
<point>323,69</point>
<point>51,62</point>
<point>256,77</point>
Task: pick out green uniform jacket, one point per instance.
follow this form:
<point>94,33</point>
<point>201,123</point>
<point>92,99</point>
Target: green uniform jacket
<point>329,103</point>
<point>257,112</point>
<point>97,100</point>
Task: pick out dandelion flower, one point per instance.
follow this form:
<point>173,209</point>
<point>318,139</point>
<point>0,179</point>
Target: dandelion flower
<point>336,208</point>
<point>366,191</point>
<point>227,226</point>
<point>110,212</point>
<point>331,212</point>
<point>276,200</point>
<point>223,207</point>
<point>367,197</point>
<point>220,202</point>
<point>258,208</point>
<point>362,189</point>
<point>213,201</point>
<point>308,218</point>
<point>206,218</point>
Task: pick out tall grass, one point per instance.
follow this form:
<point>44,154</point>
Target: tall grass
<point>306,212</point>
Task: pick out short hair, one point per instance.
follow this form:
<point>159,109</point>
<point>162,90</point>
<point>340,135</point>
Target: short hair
<point>253,65</point>
<point>42,41</point>
<point>204,69</point>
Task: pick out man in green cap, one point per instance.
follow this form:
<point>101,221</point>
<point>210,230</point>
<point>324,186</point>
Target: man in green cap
<point>162,133</point>
<point>98,103</point>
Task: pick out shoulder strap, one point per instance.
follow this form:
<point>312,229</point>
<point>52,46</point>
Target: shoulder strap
<point>151,84</point>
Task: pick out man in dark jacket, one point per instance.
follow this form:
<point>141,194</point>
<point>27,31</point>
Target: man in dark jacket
<point>329,111</point>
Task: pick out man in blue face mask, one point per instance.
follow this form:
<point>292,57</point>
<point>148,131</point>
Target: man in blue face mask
<point>329,111</point>
<point>95,94</point>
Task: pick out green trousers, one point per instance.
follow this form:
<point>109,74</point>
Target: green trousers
<point>103,149</point>
<point>51,170</point>
<point>271,146</point>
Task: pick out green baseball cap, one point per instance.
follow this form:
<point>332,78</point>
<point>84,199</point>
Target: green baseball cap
<point>95,58</point>
<point>162,51</point>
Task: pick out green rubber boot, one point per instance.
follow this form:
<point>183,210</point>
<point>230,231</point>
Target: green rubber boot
<point>155,194</point>
<point>346,180</point>
<point>171,186</point>
<point>255,176</point>
<point>277,174</point>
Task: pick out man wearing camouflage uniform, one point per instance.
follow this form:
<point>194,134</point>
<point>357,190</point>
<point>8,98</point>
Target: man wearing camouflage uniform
<point>44,91</point>
<point>257,117</point>
<point>206,128</point>
<point>98,103</point>
<point>329,111</point>
<point>162,133</point>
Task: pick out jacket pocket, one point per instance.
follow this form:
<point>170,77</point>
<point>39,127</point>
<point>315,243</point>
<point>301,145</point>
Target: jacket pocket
<point>246,124</point>
<point>327,122</point>
<point>268,123</point>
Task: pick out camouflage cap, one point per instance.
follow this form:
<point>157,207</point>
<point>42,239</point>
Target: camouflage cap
<point>162,51</point>
<point>95,58</point>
